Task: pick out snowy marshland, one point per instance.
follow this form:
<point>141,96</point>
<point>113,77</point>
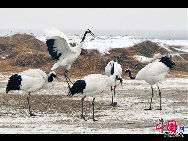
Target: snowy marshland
<point>59,114</point>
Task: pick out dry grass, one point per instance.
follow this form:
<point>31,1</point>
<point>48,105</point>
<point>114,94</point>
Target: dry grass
<point>147,48</point>
<point>25,51</point>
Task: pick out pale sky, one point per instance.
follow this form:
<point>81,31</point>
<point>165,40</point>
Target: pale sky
<point>95,18</point>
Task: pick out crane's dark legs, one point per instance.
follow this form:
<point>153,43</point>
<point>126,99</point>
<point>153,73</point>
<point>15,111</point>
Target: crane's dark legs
<point>114,103</point>
<point>114,90</point>
<point>112,99</point>
<point>151,99</point>
<point>160,98</point>
<point>93,109</point>
<point>29,107</point>
<point>113,95</point>
<point>82,115</point>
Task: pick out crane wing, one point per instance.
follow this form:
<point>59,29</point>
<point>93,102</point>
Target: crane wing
<point>153,72</point>
<point>95,83</point>
<point>34,73</point>
<point>58,47</point>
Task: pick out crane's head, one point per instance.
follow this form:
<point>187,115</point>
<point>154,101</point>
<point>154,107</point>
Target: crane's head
<point>51,75</point>
<point>127,70</point>
<point>89,31</point>
<point>167,61</point>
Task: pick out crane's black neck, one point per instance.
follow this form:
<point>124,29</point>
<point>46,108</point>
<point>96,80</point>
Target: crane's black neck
<point>129,71</point>
<point>51,76</point>
<point>112,69</point>
<point>84,36</point>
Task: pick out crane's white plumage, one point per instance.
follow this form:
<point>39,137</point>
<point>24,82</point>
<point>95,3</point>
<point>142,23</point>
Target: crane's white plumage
<point>32,80</point>
<point>154,73</point>
<point>96,84</point>
<point>55,32</point>
<point>29,81</point>
<point>60,49</point>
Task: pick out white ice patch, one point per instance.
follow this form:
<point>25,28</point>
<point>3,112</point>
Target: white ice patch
<point>142,58</point>
<point>4,57</point>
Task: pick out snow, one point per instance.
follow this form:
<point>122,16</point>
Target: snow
<point>184,49</point>
<point>4,57</point>
<point>173,42</point>
<point>142,58</point>
<point>104,43</point>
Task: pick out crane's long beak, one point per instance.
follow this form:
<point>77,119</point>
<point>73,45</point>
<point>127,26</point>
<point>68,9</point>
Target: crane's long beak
<point>92,34</point>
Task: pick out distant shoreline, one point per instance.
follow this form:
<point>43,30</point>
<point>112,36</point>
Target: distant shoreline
<point>155,34</point>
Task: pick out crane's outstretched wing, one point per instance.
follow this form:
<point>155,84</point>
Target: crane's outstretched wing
<point>58,47</point>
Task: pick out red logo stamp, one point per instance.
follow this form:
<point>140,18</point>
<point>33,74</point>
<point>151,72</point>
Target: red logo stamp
<point>172,127</point>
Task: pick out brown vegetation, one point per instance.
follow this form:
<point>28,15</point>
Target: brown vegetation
<point>25,51</point>
<point>147,49</point>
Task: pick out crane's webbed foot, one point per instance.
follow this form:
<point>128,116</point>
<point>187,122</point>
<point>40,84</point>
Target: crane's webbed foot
<point>113,104</point>
<point>83,117</point>
<point>31,114</point>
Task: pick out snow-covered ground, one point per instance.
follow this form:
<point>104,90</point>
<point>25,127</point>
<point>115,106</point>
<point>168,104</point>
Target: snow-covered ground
<point>128,117</point>
<point>105,43</point>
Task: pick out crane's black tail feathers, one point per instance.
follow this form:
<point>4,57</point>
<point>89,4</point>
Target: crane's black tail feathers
<point>14,83</point>
<point>77,87</point>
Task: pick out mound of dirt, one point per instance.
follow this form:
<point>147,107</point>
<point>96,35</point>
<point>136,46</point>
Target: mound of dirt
<point>30,59</point>
<point>22,51</point>
<point>147,49</point>
<point>19,43</point>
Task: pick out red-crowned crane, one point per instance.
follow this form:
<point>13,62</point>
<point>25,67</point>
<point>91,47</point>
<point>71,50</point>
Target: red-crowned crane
<point>92,85</point>
<point>154,73</point>
<point>60,50</point>
<point>30,80</point>
<point>117,72</point>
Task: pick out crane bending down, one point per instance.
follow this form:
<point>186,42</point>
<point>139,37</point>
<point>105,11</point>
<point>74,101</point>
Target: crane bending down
<point>91,85</point>
<point>154,73</point>
<point>117,72</point>
<point>60,49</point>
<point>29,81</point>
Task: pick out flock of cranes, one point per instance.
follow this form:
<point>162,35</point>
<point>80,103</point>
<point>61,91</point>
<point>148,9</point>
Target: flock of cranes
<point>91,85</point>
